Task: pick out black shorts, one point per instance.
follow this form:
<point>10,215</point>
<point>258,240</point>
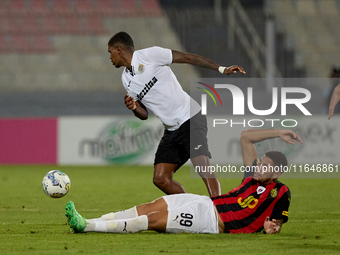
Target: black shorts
<point>189,141</point>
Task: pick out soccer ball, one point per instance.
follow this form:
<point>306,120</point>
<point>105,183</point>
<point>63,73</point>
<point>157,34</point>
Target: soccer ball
<point>56,184</point>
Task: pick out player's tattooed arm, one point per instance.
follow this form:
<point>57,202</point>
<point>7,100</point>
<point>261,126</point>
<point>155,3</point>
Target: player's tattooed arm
<point>196,60</point>
<point>138,109</point>
<point>272,226</point>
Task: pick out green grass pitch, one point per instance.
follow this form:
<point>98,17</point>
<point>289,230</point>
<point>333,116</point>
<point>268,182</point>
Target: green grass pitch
<point>32,223</point>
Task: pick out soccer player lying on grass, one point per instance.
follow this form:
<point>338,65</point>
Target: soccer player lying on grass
<point>259,203</point>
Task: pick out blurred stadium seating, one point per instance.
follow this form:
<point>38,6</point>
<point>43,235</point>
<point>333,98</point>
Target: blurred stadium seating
<point>54,59</point>
<point>62,17</point>
<point>64,42</point>
<point>53,53</point>
<point>312,26</point>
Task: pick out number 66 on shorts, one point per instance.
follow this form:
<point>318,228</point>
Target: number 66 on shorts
<point>191,213</point>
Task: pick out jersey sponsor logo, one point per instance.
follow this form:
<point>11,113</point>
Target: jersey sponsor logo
<point>141,68</point>
<point>260,190</point>
<point>121,141</point>
<point>273,193</point>
<point>249,202</point>
<point>147,88</point>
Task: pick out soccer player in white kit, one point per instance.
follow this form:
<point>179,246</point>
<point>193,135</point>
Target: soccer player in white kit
<point>151,85</point>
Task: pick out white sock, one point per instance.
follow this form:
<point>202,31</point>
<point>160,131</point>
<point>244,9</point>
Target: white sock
<point>126,214</point>
<point>123,226</point>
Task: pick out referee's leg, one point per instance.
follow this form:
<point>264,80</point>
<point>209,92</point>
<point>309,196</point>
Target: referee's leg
<point>163,179</point>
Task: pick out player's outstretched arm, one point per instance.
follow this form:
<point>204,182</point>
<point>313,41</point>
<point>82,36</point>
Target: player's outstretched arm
<point>252,136</point>
<point>272,226</point>
<point>289,136</point>
<point>196,60</point>
<point>138,109</point>
<point>334,100</point>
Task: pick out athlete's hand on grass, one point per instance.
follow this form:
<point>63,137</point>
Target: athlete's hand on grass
<point>289,136</point>
<point>130,102</point>
<point>270,226</point>
<point>233,69</point>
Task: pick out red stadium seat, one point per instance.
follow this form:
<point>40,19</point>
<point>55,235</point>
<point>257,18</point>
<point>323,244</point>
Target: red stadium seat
<point>42,44</point>
<point>61,7</point>
<point>127,8</point>
<point>40,7</point>
<point>9,25</point>
<point>72,25</point>
<point>29,25</point>
<point>30,44</point>
<point>21,44</point>
<point>4,45</point>
<point>106,7</point>
<point>4,9</point>
<point>151,8</point>
<point>84,7</point>
<point>19,7</point>
<point>50,25</point>
<point>94,25</point>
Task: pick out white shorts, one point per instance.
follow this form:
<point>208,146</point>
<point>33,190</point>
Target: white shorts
<point>191,213</point>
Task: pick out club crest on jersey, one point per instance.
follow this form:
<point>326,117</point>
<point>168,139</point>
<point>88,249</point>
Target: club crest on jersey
<point>260,190</point>
<point>141,68</point>
<point>273,193</point>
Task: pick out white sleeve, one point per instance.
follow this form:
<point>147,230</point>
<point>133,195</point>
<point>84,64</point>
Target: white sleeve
<point>125,85</point>
<point>158,55</point>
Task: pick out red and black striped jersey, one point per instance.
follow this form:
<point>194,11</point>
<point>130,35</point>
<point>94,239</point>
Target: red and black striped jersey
<point>245,208</point>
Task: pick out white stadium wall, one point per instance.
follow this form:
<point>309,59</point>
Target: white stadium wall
<point>127,140</point>
<point>107,140</point>
<point>320,139</point>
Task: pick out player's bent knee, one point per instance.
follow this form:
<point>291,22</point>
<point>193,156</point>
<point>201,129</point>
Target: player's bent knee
<point>160,181</point>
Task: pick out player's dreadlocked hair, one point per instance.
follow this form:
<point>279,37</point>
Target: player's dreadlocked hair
<point>278,158</point>
<point>123,38</point>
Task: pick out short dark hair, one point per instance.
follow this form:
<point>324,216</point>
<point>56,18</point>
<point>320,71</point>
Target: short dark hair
<point>278,158</point>
<point>123,38</point>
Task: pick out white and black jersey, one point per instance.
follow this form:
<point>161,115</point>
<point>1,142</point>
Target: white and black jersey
<point>152,82</point>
